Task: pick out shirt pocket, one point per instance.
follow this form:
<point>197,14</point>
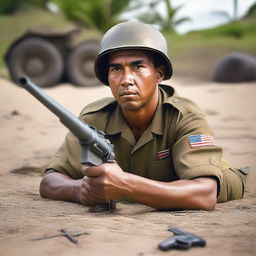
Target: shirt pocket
<point>161,170</point>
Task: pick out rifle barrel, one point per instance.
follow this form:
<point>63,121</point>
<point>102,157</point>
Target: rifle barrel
<point>80,129</point>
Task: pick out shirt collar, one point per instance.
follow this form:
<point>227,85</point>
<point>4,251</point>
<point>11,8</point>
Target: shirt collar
<point>157,124</point>
<point>117,123</point>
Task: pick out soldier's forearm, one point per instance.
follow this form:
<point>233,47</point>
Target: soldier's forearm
<point>57,186</point>
<point>198,194</point>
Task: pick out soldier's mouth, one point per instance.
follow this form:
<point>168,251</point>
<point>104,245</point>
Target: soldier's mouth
<point>127,93</point>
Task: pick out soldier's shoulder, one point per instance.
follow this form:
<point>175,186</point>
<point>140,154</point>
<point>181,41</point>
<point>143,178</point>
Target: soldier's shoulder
<point>183,105</point>
<point>97,113</point>
<point>101,104</point>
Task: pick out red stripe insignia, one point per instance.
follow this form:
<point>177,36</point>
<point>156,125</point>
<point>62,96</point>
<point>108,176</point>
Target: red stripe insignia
<point>163,154</point>
<point>201,140</point>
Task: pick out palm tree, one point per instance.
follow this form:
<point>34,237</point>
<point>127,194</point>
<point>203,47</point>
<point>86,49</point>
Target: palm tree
<point>235,9</point>
<point>226,14</point>
<point>95,14</point>
<point>251,12</point>
<point>103,14</point>
<point>167,23</point>
<point>170,22</point>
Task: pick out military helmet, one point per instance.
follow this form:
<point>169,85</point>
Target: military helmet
<point>132,35</point>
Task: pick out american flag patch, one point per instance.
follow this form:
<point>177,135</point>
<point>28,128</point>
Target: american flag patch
<point>201,140</point>
<point>163,154</point>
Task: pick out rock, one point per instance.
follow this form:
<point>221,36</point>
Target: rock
<point>235,68</point>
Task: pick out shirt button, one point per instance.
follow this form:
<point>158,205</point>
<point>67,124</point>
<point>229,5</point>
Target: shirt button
<point>175,100</point>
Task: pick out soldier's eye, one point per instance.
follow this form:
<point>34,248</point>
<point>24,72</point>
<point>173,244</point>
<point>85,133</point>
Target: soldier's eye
<point>114,68</point>
<point>138,66</point>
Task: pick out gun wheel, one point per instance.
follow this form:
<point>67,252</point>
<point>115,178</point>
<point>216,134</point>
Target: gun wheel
<point>80,64</point>
<point>37,59</point>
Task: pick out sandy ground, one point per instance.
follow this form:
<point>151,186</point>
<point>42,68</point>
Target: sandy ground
<point>30,135</point>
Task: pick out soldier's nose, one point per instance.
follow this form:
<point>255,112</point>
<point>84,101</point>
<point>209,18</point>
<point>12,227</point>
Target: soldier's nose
<point>127,79</point>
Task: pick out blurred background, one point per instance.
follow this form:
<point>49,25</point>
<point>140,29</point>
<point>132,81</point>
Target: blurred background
<point>199,34</point>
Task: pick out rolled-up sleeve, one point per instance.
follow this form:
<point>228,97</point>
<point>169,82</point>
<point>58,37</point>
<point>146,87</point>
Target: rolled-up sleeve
<point>67,158</point>
<point>193,155</point>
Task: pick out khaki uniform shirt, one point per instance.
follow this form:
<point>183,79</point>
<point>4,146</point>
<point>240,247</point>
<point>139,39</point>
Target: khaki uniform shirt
<point>166,151</point>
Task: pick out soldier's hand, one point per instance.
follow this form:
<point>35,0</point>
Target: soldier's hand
<point>104,182</point>
<point>85,197</point>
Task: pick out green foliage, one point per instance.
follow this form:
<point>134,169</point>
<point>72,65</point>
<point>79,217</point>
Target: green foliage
<point>166,22</point>
<point>96,14</point>
<point>235,29</point>
<point>251,11</point>
<point>8,7</point>
<point>170,22</point>
<point>13,26</point>
<point>232,17</point>
<point>38,3</point>
<point>103,14</point>
<point>209,44</point>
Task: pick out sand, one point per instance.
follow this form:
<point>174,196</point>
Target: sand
<point>30,135</point>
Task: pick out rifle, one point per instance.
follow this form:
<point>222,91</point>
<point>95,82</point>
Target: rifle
<point>96,149</point>
<point>181,240</point>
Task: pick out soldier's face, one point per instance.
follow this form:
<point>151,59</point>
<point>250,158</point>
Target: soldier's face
<point>133,79</point>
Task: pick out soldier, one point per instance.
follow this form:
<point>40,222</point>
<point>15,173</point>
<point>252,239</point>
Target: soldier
<point>166,155</point>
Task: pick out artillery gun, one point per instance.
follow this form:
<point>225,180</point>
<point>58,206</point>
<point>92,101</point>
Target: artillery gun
<point>50,56</point>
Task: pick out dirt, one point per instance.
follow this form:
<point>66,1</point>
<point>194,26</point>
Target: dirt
<point>31,135</point>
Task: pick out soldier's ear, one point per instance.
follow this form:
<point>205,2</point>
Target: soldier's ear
<point>160,73</point>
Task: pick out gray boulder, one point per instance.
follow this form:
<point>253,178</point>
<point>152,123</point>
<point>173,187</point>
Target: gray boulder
<point>235,68</point>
